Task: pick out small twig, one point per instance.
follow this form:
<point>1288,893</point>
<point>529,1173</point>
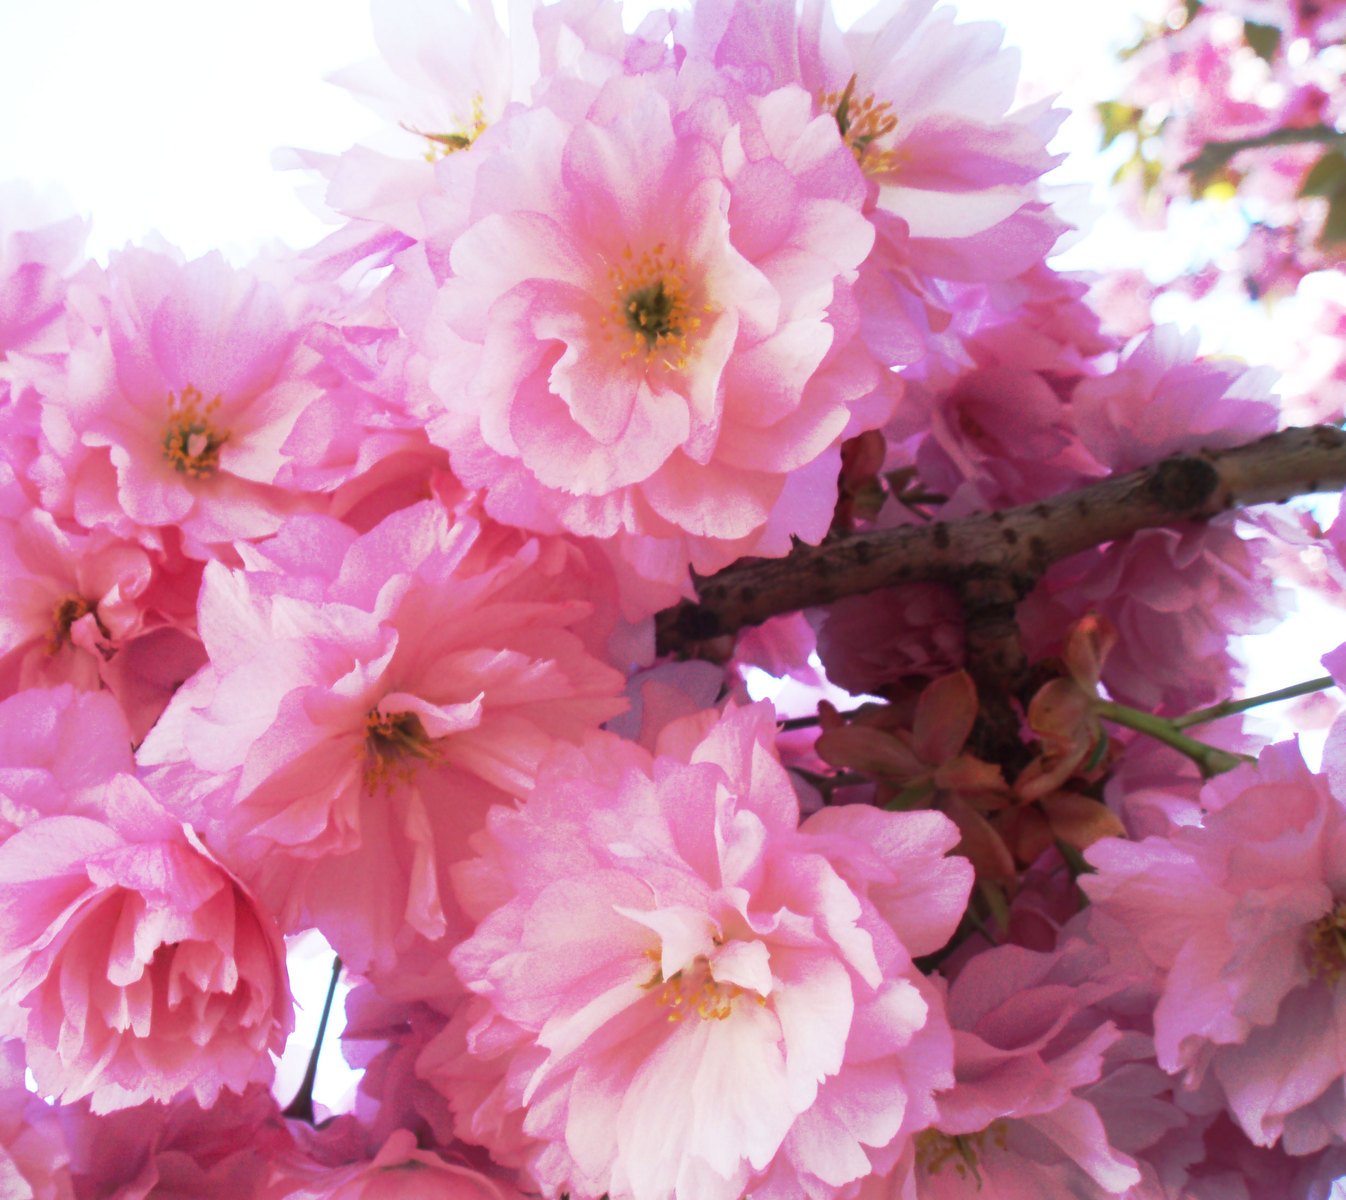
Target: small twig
<point>1227,708</point>
<point>1211,759</point>
<point>301,1107</point>
<point>1215,155</point>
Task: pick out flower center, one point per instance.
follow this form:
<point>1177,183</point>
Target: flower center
<point>444,144</point>
<point>862,122</point>
<point>392,742</point>
<point>934,1150</point>
<point>1327,944</point>
<point>191,441</point>
<point>651,310</point>
<point>64,614</point>
<point>694,990</point>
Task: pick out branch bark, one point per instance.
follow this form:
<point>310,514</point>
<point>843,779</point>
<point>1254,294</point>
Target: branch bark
<point>1016,545</point>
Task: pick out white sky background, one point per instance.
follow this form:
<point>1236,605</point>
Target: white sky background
<point>162,115</point>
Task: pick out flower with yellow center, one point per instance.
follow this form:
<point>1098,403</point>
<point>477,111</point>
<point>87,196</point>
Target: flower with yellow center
<point>191,441</point>
<point>862,123</point>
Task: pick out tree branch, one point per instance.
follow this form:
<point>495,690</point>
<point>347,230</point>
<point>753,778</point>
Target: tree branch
<point>1213,156</point>
<point>1016,545</point>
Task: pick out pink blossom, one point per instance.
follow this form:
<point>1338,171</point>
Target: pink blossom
<point>894,638</point>
<point>177,400</point>
<point>1027,1042</point>
<point>1175,596</point>
<point>399,1171</point>
<point>182,1149</point>
<point>34,1153</point>
<point>71,599</point>
<point>134,966</point>
<point>348,735</point>
<point>59,748</point>
<point>646,332</point>
<point>1240,920</point>
<point>385,1036</point>
<point>924,105</point>
<point>1161,400</point>
<point>38,252</point>
<point>686,993</point>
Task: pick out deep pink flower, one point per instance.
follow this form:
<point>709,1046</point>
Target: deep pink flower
<point>133,965</point>
<point>179,1150</point>
<point>1240,920</point>
<point>368,697</point>
<point>688,994</point>
<point>645,331</point>
<point>1175,596</point>
<point>399,1171</point>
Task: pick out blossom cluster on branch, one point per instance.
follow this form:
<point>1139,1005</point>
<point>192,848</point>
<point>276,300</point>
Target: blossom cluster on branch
<point>409,588</point>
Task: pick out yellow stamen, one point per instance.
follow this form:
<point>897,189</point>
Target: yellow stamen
<point>934,1150</point>
<point>694,990</point>
<point>444,144</point>
<point>1327,945</point>
<point>393,741</point>
<point>862,122</point>
<point>65,612</point>
<point>191,440</point>
<point>652,309</point>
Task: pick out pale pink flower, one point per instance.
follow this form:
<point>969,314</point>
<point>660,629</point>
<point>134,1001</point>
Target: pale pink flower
<point>1240,919</point>
<point>34,1152</point>
<point>70,601</point>
<point>1161,400</point>
<point>1015,1125</point>
<point>368,697</point>
<point>384,1036</point>
<point>59,749</point>
<point>38,252</point>
<point>687,993</point>
<point>178,397</point>
<point>133,965</point>
<point>646,333</point>
<point>924,106</point>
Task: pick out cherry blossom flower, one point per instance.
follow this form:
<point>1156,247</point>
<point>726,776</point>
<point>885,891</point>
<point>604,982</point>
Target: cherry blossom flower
<point>348,734</point>
<point>133,965</point>
<point>1240,920</point>
<point>688,994</point>
<point>649,308</point>
<point>34,1152</point>
<point>176,403</point>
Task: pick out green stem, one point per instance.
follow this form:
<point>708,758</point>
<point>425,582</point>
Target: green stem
<point>1227,708</point>
<point>1214,155</point>
<point>1211,759</point>
<point>301,1107</point>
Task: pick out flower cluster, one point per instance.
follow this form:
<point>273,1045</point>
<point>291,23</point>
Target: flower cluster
<point>332,584</point>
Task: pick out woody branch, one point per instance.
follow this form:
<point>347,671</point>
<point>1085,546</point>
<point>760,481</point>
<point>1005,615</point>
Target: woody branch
<point>1006,552</point>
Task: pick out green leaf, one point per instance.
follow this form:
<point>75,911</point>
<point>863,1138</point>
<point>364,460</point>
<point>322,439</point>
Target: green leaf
<point>1193,7</point>
<point>1264,39</point>
<point>1117,119</point>
<point>1327,177</point>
